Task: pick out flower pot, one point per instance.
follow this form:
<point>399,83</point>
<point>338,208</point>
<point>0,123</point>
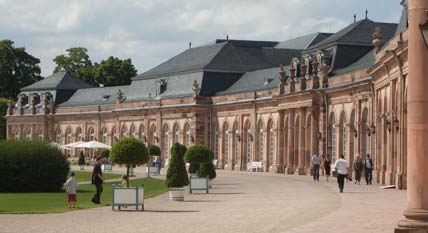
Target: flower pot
<point>176,194</point>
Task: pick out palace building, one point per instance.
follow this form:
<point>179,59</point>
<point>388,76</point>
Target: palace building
<point>273,102</point>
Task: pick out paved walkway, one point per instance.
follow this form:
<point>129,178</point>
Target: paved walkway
<point>239,202</point>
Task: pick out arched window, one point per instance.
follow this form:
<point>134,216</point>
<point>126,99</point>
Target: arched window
<point>166,145</point>
<point>79,137</point>
<point>261,142</point>
<point>176,134</point>
<point>342,134</point>
<point>296,140</point>
<point>187,135</point>
<point>365,132</point>
<point>226,143</point>
<point>91,134</point>
<point>154,135</point>
<point>123,132</point>
<point>114,136</point>
<point>235,143</point>
<point>104,136</point>
<point>28,134</point>
<point>16,133</point>
<point>58,135</point>
<point>333,139</point>
<point>271,144</point>
<point>133,131</point>
<point>39,134</point>
<point>142,134</point>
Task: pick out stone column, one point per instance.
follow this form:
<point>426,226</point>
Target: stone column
<point>290,158</point>
<point>417,173</point>
<point>301,150</point>
<point>278,163</point>
<point>303,75</point>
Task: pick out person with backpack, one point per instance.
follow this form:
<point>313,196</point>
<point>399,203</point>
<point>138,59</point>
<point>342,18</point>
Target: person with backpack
<point>368,166</point>
<point>358,168</point>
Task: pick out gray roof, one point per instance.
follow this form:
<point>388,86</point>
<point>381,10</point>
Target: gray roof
<point>402,25</point>
<point>94,96</point>
<point>363,63</point>
<point>303,42</point>
<point>58,81</point>
<point>255,81</point>
<point>226,57</point>
<point>357,33</point>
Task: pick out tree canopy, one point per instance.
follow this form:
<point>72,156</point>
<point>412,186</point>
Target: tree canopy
<point>17,69</point>
<point>110,72</point>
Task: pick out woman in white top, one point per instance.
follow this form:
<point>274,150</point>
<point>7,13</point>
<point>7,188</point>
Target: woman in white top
<point>341,167</point>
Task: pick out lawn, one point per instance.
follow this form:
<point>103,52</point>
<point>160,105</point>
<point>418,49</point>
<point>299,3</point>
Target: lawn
<point>40,203</point>
<point>82,176</point>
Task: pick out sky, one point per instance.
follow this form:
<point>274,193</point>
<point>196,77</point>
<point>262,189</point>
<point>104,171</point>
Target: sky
<point>152,31</point>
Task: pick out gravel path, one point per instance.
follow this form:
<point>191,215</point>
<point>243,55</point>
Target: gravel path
<point>238,202</point>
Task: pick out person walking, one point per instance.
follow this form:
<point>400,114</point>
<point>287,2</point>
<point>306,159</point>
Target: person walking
<point>327,166</point>
<point>358,167</point>
<point>316,161</point>
<point>341,167</point>
<point>97,180</point>
<point>368,166</point>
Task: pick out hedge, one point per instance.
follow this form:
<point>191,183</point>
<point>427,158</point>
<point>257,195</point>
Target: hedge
<point>31,167</point>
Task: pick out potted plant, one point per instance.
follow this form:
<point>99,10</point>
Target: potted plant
<point>81,161</point>
<point>196,155</point>
<point>152,167</point>
<point>207,169</point>
<point>176,176</point>
<point>129,152</point>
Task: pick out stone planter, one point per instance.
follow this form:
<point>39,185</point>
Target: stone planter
<point>132,196</point>
<point>176,194</point>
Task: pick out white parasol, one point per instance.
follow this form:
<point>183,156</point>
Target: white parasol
<point>93,145</point>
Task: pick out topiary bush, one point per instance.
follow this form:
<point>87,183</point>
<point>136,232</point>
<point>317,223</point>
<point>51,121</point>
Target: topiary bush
<point>207,169</point>
<point>105,153</point>
<point>176,176</point>
<point>81,160</point>
<point>27,166</point>
<point>196,155</point>
<point>154,150</point>
<point>129,152</point>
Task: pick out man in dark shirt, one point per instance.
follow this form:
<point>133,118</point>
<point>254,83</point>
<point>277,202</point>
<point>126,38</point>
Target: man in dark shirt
<point>97,180</point>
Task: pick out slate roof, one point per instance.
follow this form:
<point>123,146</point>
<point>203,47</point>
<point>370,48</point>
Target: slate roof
<point>402,25</point>
<point>223,56</point>
<point>363,63</point>
<point>94,96</point>
<point>255,81</point>
<point>303,42</point>
<point>357,33</point>
<point>58,81</point>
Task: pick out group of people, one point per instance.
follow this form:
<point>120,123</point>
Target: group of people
<point>341,169</point>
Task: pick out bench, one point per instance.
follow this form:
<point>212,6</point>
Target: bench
<point>255,166</point>
<point>107,167</point>
<point>198,183</point>
<point>153,170</point>
<point>132,196</point>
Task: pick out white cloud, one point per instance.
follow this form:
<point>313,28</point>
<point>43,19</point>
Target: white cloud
<point>152,31</point>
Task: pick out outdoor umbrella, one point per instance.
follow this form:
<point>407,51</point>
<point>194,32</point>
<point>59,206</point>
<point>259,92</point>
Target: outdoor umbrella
<point>59,146</point>
<point>72,145</point>
<point>93,145</point>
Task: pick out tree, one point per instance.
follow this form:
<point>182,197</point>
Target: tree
<point>196,155</point>
<point>176,176</point>
<point>76,63</point>
<point>114,72</point>
<point>17,69</point>
<point>129,152</point>
<point>3,109</point>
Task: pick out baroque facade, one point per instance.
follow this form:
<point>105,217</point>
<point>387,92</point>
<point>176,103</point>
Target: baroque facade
<point>274,102</point>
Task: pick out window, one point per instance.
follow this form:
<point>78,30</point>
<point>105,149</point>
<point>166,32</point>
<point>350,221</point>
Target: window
<point>187,136</point>
<point>226,143</point>
<point>114,135</point>
<point>142,134</point>
<point>91,134</point>
<point>248,140</point>
<point>39,134</point>
<point>344,139</point>
<point>58,135</point>
<point>333,141</point>
<point>261,143</point>
<point>123,132</point>
<point>28,134</point>
<point>68,139</point>
<point>165,137</point>
<point>216,138</point>
<point>271,144</point>
<point>154,135</point>
<point>16,133</point>
<point>176,134</point>
<point>235,143</point>
<point>104,136</point>
<point>133,132</point>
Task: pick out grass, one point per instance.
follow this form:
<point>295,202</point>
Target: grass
<point>82,176</point>
<point>42,203</point>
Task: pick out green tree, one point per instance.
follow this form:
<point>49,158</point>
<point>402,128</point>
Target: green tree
<point>114,72</point>
<point>196,155</point>
<point>76,63</point>
<point>129,152</point>
<point>3,109</point>
<point>17,69</point>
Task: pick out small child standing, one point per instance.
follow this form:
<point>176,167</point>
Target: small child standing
<point>71,186</point>
<point>123,181</point>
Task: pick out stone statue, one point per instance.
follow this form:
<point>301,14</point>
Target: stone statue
<point>119,96</point>
<point>377,39</point>
<point>196,88</point>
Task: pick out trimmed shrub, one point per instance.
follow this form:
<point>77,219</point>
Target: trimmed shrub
<point>27,166</point>
<point>81,160</point>
<point>129,152</point>
<point>154,150</point>
<point>105,153</point>
<point>207,169</point>
<point>196,155</point>
<point>176,176</point>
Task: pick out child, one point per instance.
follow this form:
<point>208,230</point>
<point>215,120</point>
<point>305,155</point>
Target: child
<point>71,185</point>
<point>123,181</point>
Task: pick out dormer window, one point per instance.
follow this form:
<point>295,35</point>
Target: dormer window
<point>267,81</point>
<point>106,97</point>
<point>161,86</point>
